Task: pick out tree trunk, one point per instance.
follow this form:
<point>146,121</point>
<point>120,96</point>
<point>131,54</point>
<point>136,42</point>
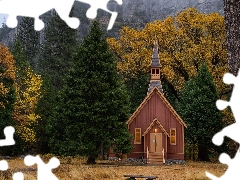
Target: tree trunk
<point>232,24</point>
<point>91,160</point>
<point>203,153</point>
<point>102,153</point>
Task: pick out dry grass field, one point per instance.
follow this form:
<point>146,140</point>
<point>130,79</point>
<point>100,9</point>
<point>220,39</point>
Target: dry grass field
<point>75,169</point>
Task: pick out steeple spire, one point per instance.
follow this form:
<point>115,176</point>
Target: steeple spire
<point>155,80</point>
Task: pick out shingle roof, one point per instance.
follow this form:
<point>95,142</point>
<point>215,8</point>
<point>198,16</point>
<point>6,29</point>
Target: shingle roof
<point>153,84</point>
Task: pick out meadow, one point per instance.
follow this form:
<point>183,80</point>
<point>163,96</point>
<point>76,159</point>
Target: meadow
<point>76,169</point>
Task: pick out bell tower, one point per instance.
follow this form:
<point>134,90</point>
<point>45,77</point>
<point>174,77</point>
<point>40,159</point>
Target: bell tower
<point>155,68</point>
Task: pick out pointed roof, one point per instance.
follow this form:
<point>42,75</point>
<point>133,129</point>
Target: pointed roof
<point>155,57</point>
<point>155,64</point>
<point>155,121</point>
<point>153,84</point>
<point>165,101</point>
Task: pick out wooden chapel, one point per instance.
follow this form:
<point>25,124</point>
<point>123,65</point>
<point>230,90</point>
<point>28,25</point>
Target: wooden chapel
<point>157,128</point>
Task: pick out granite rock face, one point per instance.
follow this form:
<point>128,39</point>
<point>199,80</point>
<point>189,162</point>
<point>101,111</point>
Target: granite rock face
<point>136,13</point>
<point>143,11</point>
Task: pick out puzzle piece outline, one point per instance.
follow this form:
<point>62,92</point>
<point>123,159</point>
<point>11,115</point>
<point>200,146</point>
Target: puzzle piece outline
<point>35,8</point>
<point>44,170</point>
<point>231,131</point>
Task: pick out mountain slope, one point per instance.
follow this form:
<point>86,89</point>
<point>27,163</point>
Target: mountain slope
<point>133,13</point>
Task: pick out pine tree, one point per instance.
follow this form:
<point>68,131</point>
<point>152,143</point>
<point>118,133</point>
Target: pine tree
<point>4,30</point>
<point>30,40</point>
<point>45,109</point>
<point>93,106</point>
<point>58,46</point>
<point>197,107</point>
<point>137,88</point>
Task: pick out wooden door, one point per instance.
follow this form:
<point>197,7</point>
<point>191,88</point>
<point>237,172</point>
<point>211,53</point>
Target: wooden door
<point>155,142</point>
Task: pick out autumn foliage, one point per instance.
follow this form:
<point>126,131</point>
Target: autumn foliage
<point>185,42</point>
<point>7,71</point>
<point>7,88</point>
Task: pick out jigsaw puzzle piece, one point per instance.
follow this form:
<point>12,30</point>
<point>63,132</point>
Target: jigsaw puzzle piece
<point>34,9</point>
<point>44,170</point>
<point>211,176</point>
<point>229,131</point>
<point>232,172</point>
<point>3,165</point>
<point>8,132</point>
<point>229,78</point>
<point>221,105</point>
<point>63,9</point>
<point>18,176</point>
<point>96,4</point>
<point>27,8</point>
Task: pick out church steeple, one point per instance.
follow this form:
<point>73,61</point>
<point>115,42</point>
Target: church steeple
<point>155,70</point>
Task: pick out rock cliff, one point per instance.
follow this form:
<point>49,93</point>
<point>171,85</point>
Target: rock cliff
<point>135,13</point>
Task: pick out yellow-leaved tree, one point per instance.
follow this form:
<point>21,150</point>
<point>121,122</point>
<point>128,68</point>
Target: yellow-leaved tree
<point>185,42</point>
<point>7,89</point>
<point>28,91</point>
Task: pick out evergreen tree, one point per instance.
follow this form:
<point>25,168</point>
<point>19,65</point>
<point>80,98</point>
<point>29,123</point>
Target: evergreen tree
<point>4,30</point>
<point>93,105</point>
<point>45,109</point>
<point>137,88</point>
<point>30,40</point>
<point>58,46</point>
<point>19,56</point>
<point>197,107</point>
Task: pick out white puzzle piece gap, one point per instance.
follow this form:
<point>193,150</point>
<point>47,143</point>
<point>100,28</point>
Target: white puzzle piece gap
<point>44,170</point>
<point>8,132</point>
<point>3,165</point>
<point>18,176</point>
<point>231,131</point>
<point>35,8</point>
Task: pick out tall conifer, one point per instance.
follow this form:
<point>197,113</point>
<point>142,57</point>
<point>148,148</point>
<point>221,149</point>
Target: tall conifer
<point>197,108</point>
<point>93,106</point>
<point>58,46</point>
<point>30,40</point>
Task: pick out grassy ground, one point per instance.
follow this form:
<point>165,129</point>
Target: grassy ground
<point>75,169</point>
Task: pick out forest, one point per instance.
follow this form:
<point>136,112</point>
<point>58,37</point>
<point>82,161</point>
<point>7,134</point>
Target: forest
<point>71,97</point>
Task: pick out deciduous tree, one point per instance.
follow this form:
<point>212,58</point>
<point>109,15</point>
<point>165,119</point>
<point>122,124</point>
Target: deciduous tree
<point>7,90</point>
<point>185,42</point>
<point>28,91</point>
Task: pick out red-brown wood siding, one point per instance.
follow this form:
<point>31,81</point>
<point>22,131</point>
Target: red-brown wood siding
<point>156,108</point>
<point>175,156</point>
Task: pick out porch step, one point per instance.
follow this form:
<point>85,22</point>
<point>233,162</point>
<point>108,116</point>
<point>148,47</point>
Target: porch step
<point>155,158</point>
